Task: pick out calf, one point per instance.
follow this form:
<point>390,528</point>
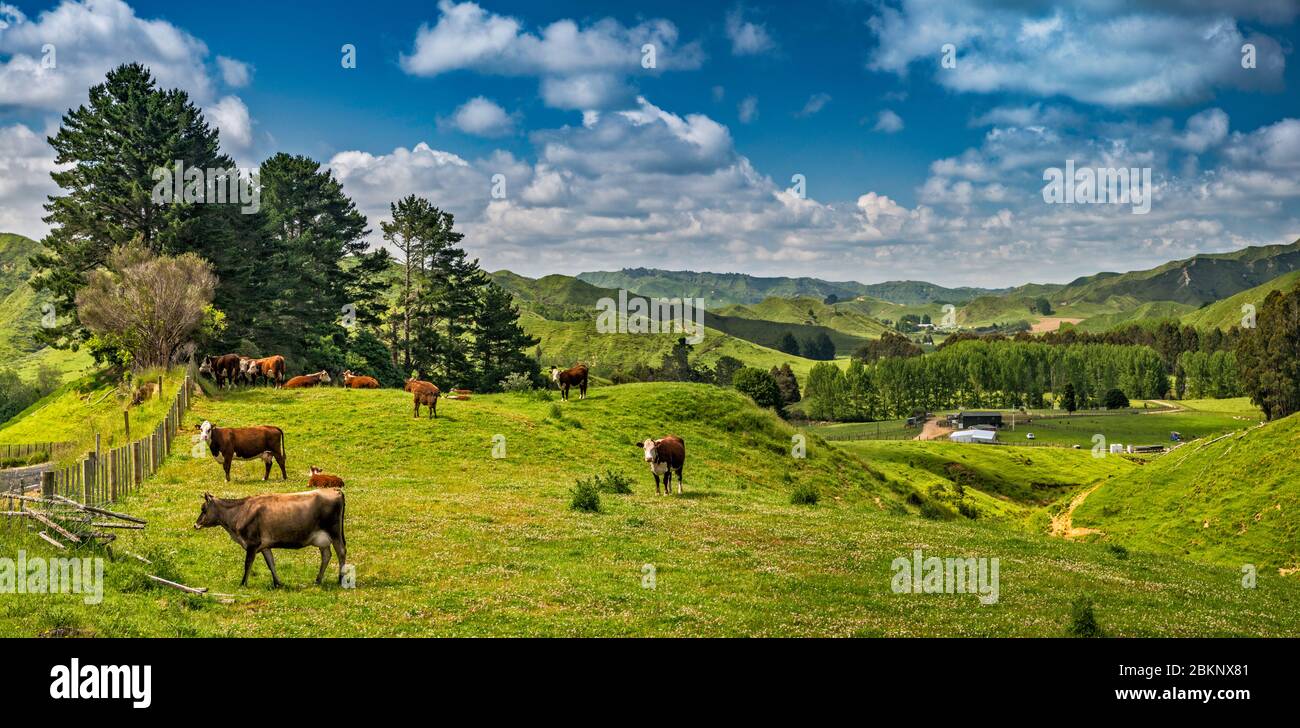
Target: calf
<point>665,455</point>
<point>424,393</point>
<point>221,368</point>
<point>320,479</point>
<point>308,380</point>
<point>281,521</point>
<point>353,381</point>
<point>245,443</point>
<point>574,375</point>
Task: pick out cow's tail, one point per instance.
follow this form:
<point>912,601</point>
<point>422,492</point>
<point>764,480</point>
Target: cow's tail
<point>283,455</point>
<point>343,512</point>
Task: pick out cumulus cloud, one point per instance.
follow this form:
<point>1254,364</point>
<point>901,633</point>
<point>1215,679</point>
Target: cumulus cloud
<point>236,74</point>
<point>231,118</point>
<point>582,67</point>
<point>815,103</point>
<point>888,122</point>
<point>1144,54</point>
<point>747,110</point>
<point>747,38</point>
<point>25,165</point>
<point>482,117</point>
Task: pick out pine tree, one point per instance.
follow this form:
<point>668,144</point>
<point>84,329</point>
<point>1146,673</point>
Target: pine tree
<point>500,343</point>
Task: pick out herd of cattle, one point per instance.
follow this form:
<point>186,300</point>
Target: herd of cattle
<point>261,523</point>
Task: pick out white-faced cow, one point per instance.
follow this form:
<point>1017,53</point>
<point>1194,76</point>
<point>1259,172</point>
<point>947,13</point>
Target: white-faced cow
<point>281,521</point>
<point>221,369</point>
<point>359,381</point>
<point>270,368</point>
<point>321,479</point>
<point>665,455</point>
<point>308,380</point>
<point>245,443</point>
<point>573,376</point>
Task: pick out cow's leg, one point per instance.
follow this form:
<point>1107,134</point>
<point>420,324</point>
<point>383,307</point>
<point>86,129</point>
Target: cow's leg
<point>324,561</point>
<point>417,408</point>
<point>668,481</point>
<point>226,464</point>
<point>583,390</point>
<point>270,564</point>
<point>279,458</point>
<point>679,481</point>
<point>267,475</point>
<point>656,483</point>
<point>249,555</point>
<point>434,408</point>
<point>341,548</point>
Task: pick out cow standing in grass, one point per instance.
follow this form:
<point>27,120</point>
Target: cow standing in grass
<point>665,455</point>
<point>270,368</point>
<point>281,521</point>
<point>354,381</point>
<point>224,368</point>
<point>573,376</point>
<point>245,443</point>
<point>308,380</point>
<point>423,393</point>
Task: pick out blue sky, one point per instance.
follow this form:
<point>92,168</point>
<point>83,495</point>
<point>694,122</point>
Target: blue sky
<point>912,170</point>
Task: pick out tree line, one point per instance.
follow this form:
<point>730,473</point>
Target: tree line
<point>294,276</point>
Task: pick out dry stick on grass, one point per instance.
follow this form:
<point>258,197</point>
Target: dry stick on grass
<point>51,524</point>
<point>53,541</point>
<point>174,585</point>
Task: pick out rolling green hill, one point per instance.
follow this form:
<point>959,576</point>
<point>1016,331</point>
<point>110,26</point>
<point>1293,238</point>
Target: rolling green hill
<point>20,316</point>
<point>847,317</point>
<point>448,540</point>
<point>1227,313</point>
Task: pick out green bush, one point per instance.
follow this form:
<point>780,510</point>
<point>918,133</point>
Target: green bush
<point>1115,399</point>
<point>759,385</point>
<point>517,382</point>
<point>1083,623</point>
<point>804,494</point>
<point>612,482</point>
<point>586,497</point>
<point>1119,551</point>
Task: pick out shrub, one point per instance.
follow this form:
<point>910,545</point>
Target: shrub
<point>759,385</point>
<point>1083,623</point>
<point>586,497</point>
<point>517,382</point>
<point>1115,399</point>
<point>556,411</point>
<point>1119,551</point>
<point>612,482</point>
<point>804,494</point>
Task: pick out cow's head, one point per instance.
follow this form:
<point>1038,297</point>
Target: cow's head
<point>347,374</point>
<point>651,448</point>
<point>205,431</point>
<point>316,471</point>
<point>206,367</point>
<point>555,374</point>
<point>324,376</point>
<point>208,516</point>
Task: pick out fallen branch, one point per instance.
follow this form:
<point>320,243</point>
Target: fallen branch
<point>101,511</point>
<point>47,537</point>
<point>51,524</point>
<point>174,585</point>
<point>132,526</point>
<point>137,556</point>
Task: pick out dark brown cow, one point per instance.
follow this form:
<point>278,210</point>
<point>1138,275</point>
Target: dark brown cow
<point>221,368</point>
<point>245,443</point>
<point>424,393</point>
<point>355,381</point>
<point>308,380</point>
<point>575,375</point>
<point>281,521</point>
<point>270,368</point>
<point>665,455</point>
<point>321,479</point>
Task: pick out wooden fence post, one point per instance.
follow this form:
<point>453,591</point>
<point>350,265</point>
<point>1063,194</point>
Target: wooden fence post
<point>112,478</point>
<point>126,420</point>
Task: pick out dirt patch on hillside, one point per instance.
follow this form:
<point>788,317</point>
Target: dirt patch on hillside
<point>934,429</point>
<point>1063,523</point>
<point>1051,323</point>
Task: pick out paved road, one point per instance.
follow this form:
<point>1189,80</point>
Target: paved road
<point>24,478</point>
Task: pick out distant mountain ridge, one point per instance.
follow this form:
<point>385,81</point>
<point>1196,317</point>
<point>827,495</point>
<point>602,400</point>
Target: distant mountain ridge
<point>725,289</point>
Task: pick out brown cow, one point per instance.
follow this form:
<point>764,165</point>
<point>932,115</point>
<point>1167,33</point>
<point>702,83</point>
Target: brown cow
<point>424,393</point>
<point>221,368</point>
<point>281,521</point>
<point>270,368</point>
<point>575,375</point>
<point>665,455</point>
<point>308,380</point>
<point>354,381</point>
<point>245,443</point>
<point>321,479</point>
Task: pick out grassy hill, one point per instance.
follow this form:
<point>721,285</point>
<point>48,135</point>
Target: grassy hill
<point>1227,313</point>
<point>846,318</point>
<point>447,540</point>
<point>20,316</point>
<point>1149,313</point>
<point>1230,501</point>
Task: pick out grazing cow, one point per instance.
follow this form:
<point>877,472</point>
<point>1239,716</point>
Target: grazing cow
<point>245,443</point>
<point>221,368</point>
<point>321,480</point>
<point>308,380</point>
<point>354,381</point>
<point>575,375</point>
<point>270,368</point>
<point>665,455</point>
<point>281,521</point>
<point>424,393</point>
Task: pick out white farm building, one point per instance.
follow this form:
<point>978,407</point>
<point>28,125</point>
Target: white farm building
<point>984,436</point>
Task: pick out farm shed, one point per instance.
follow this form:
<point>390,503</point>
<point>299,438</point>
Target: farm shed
<point>981,436</point>
<point>967,420</point>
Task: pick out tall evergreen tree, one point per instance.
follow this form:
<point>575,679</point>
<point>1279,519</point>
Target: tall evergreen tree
<point>499,342</point>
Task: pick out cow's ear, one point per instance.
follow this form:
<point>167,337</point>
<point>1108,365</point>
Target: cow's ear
<point>207,496</point>
<point>640,445</point>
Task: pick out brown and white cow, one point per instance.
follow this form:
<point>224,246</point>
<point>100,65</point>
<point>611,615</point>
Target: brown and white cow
<point>281,521</point>
<point>245,443</point>
<point>665,455</point>
<point>308,380</point>
<point>270,368</point>
<point>321,479</point>
<point>423,393</point>
<point>355,381</point>
<point>224,368</point>
<point>575,375</point>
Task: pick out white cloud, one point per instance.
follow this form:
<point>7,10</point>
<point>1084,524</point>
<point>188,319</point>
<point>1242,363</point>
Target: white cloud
<point>482,117</point>
<point>747,39</point>
<point>815,103</point>
<point>236,74</point>
<point>1204,130</point>
<point>230,116</point>
<point>748,109</point>
<point>580,67</point>
<point>1148,54</point>
<point>888,122</point>
<point>25,165</point>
